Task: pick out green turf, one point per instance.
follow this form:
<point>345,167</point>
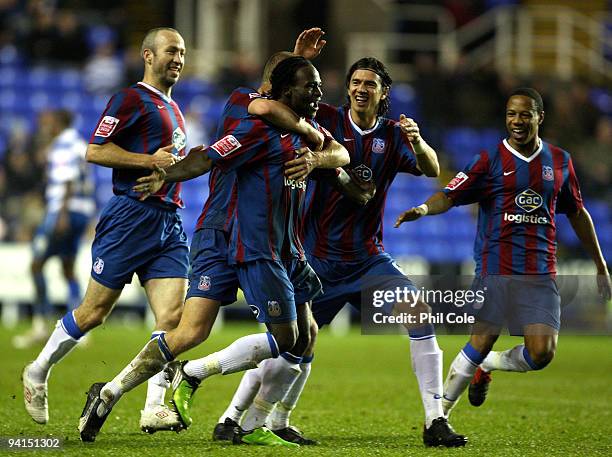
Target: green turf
<point>361,399</point>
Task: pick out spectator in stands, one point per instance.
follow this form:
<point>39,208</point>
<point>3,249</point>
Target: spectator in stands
<point>103,74</point>
<point>70,205</point>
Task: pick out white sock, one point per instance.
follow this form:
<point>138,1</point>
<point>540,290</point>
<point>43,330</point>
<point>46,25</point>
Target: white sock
<point>510,360</point>
<point>58,345</point>
<point>279,418</point>
<point>277,377</point>
<point>426,358</point>
<point>459,376</point>
<point>242,354</point>
<point>156,385</point>
<point>247,389</point>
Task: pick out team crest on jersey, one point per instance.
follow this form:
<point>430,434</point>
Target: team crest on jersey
<point>98,266</point>
<point>529,200</point>
<point>459,179</point>
<point>364,173</point>
<point>179,140</point>
<point>107,126</point>
<point>226,145</point>
<point>547,173</point>
<point>204,283</point>
<point>274,309</point>
<point>253,95</point>
<point>378,145</point>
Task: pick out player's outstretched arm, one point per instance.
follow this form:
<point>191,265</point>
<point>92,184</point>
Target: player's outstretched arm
<point>427,159</point>
<point>113,156</point>
<point>283,117</point>
<point>195,164</point>
<point>438,203</point>
<point>353,187</point>
<point>333,155</point>
<point>585,231</point>
<point>309,43</point>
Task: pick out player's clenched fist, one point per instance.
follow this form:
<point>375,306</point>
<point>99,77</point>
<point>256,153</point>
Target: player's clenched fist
<point>410,128</point>
<point>163,158</point>
<point>148,185</point>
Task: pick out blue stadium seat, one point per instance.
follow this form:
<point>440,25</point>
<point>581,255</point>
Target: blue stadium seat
<point>462,144</point>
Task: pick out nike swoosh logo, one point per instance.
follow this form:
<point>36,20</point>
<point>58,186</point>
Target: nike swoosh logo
<point>160,106</point>
<point>507,173</point>
<point>284,135</point>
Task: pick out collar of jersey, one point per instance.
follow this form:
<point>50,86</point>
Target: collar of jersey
<point>157,91</point>
<point>358,129</point>
<point>521,156</point>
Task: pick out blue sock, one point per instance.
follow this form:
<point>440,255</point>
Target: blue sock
<point>70,325</point>
<point>422,333</point>
<point>74,294</point>
<point>529,360</point>
<point>291,358</point>
<point>307,358</point>
<point>43,306</point>
<point>472,354</point>
<point>163,346</point>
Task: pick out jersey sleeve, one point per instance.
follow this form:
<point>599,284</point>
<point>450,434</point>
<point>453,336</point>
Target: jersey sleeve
<point>569,200</point>
<point>121,112</point>
<point>470,185</point>
<point>407,158</point>
<point>239,146</point>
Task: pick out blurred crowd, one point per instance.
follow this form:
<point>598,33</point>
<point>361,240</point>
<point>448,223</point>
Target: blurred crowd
<point>37,32</point>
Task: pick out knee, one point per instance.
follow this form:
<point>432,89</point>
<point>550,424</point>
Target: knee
<point>541,355</point>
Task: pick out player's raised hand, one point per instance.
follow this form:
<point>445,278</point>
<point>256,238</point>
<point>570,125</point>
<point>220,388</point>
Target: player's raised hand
<point>300,167</point>
<point>163,158</point>
<point>148,185</point>
<point>411,215</point>
<point>410,128</point>
<point>309,43</point>
<point>604,286</point>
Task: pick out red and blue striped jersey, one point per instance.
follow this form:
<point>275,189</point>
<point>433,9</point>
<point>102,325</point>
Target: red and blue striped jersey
<point>518,198</point>
<point>141,119</point>
<point>220,205</point>
<point>335,228</point>
<point>268,215</point>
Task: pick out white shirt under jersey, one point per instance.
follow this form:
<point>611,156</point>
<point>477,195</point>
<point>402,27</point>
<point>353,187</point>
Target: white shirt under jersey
<point>66,163</point>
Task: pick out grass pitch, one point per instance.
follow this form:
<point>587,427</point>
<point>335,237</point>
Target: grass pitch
<point>361,399</point>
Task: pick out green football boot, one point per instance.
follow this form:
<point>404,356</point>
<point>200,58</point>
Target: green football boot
<point>263,437</point>
<point>183,389</point>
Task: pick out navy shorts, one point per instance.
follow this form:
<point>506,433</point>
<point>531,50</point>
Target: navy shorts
<point>47,243</point>
<point>272,288</point>
<point>517,301</point>
<point>351,282</point>
<point>138,237</point>
<point>211,277</point>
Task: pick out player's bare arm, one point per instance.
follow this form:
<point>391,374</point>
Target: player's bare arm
<point>427,159</point>
<point>195,164</point>
<point>585,231</point>
<point>438,203</point>
<point>332,156</point>
<point>283,117</point>
<point>353,187</point>
<point>113,156</point>
<point>309,43</point>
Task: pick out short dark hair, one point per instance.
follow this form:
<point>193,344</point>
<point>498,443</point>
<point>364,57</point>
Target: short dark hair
<point>272,62</point>
<point>532,94</point>
<point>284,73</point>
<point>149,40</point>
<point>376,66</point>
